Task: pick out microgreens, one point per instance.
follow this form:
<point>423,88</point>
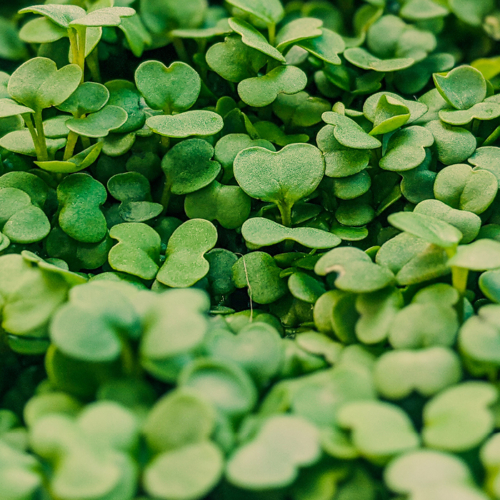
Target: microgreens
<point>249,250</point>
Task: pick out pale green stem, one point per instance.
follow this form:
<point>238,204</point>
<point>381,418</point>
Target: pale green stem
<point>85,142</point>
<point>165,196</point>
<point>93,64</point>
<point>44,154</point>
<point>286,220</point>
<point>492,137</point>
<point>459,277</point>
<point>70,145</point>
<point>34,136</point>
<point>73,40</point>
<point>180,49</point>
<point>271,29</point>
<point>82,40</point>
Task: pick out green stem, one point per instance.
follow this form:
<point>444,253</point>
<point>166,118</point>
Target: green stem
<point>286,220</point>
<point>271,29</point>
<point>82,40</point>
<point>73,40</point>
<point>44,154</point>
<point>34,136</point>
<point>180,49</point>
<point>459,280</point>
<point>165,196</point>
<point>70,145</point>
<point>492,137</point>
<point>85,142</point>
<point>165,141</point>
<point>475,126</point>
<point>93,64</point>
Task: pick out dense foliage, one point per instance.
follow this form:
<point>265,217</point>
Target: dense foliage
<point>250,250</point>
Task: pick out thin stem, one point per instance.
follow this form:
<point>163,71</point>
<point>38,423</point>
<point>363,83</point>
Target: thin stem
<point>85,142</point>
<point>165,196</point>
<point>93,64</point>
<point>180,49</point>
<point>286,220</point>
<point>475,126</point>
<point>492,137</point>
<point>459,280</point>
<point>271,29</point>
<point>44,154</point>
<point>70,145</point>
<point>73,40</point>
<point>165,141</point>
<point>34,136</point>
<point>82,40</point>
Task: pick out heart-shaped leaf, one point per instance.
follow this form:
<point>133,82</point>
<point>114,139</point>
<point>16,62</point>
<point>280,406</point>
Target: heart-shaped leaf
<point>229,205</point>
<point>390,114</point>
<point>326,47</point>
<point>21,141</point>
<point>8,107</point>
<point>478,256</point>
<point>185,263</point>
<point>285,443</point>
<point>108,16</point>
<point>38,83</point>
<point>428,228</point>
<point>263,90</point>
<point>459,418</point>
<point>486,158</point>
<point>258,272</point>
<point>203,123</point>
<point>428,371</point>
<point>297,31</point>
<point>77,163</point>
<point>282,178</point>
<point>406,149</point>
<point>348,133</point>
<point>98,124</point>
<point>260,232</point>
<point>356,272</point>
<point>489,109</point>
<point>89,97</point>
<point>174,88</point>
<point>62,15</point>
<point>80,198</point>
<point>137,251</point>
<point>189,167</point>
<point>379,430</point>
<point>462,87</point>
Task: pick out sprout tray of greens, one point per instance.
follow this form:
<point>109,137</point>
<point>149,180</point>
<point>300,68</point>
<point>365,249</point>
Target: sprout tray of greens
<point>250,250</point>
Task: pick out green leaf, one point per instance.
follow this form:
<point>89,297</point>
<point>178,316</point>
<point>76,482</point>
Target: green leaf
<point>258,272</point>
<point>459,418</point>
<point>427,371</point>
<point>282,178</point>
<point>453,144</point>
<point>80,198</point>
<point>260,232</point>
<point>263,90</point>
<point>361,58</point>
<point>486,158</point>
<point>229,205</point>
<point>268,11</point>
<point>481,255</point>
<point>298,30</point>
<point>98,124</point>
<point>471,13</point>
<point>186,473</point>
<point>284,444</point>
<point>62,15</point>
<point>379,430</point>
<point>42,30</point>
<point>108,16</point>
<point>428,228</point>
<point>462,87</point>
<point>189,167</point>
<point>77,163</point>
<point>355,270</point>
<point>185,263</point>
<point>253,38</point>
<point>8,107</point>
<point>419,10</point>
<point>489,109</point>
<point>38,83</point>
<point>174,88</point>
<point>348,133</point>
<point>235,61</point>
<point>406,149</point>
<point>20,141</point>
<point>326,47</point>
<point>138,250</point>
<point>89,97</point>
<point>390,115</point>
<point>202,123</point>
